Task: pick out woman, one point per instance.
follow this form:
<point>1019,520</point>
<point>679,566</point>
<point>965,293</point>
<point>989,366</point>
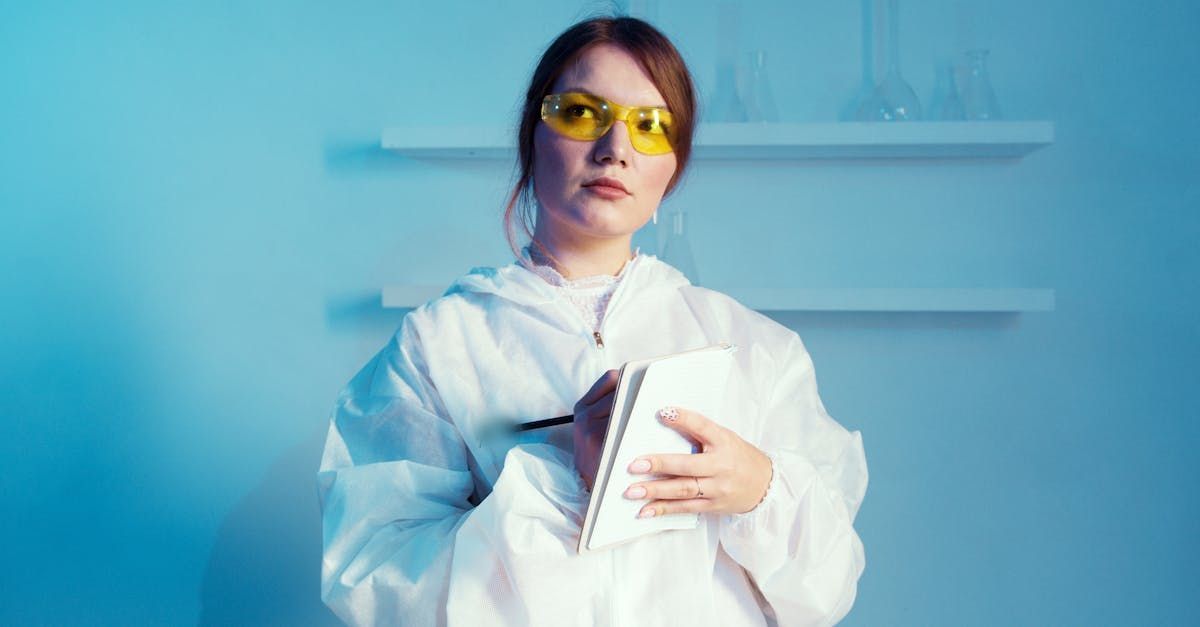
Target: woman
<point>430,521</point>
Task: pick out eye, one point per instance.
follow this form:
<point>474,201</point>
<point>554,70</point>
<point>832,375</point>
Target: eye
<point>580,111</point>
<point>654,127</point>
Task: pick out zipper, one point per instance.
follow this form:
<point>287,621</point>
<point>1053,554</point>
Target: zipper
<point>596,336</point>
<point>593,336</point>
<point>612,303</point>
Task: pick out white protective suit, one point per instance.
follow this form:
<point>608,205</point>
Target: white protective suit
<point>425,524</point>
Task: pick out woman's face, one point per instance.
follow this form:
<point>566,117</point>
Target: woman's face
<point>563,167</point>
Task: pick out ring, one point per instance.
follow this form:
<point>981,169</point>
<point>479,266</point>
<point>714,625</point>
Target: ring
<point>699,492</point>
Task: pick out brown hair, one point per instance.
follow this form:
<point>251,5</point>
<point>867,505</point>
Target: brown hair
<point>657,56</point>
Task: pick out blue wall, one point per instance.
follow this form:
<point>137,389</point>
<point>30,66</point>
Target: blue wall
<point>197,220</point>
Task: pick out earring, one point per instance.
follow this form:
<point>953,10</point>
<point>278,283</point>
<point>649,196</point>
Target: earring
<point>655,216</point>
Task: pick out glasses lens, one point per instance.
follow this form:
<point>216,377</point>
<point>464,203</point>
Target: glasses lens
<point>588,118</point>
<point>650,130</point>
<point>578,116</point>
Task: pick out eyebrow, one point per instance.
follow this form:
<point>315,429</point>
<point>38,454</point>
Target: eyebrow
<point>589,92</point>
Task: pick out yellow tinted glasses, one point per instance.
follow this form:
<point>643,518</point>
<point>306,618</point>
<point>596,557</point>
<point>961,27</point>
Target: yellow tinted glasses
<point>587,118</point>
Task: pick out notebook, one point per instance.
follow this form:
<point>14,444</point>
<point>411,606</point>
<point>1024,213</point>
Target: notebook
<point>694,380</point>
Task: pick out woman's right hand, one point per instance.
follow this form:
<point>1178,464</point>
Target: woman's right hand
<point>591,422</point>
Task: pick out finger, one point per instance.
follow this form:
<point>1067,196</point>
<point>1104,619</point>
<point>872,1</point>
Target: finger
<point>692,424</point>
<point>605,384</point>
<point>680,465</point>
<point>662,508</point>
<point>681,488</point>
<point>600,409</point>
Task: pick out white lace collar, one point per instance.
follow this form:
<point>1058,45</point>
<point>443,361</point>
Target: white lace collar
<point>595,282</point>
<point>589,295</point>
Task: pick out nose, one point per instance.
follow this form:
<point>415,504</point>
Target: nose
<point>614,146</point>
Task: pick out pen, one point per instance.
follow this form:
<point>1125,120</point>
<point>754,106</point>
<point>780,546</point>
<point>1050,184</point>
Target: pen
<point>501,429</point>
<point>545,422</point>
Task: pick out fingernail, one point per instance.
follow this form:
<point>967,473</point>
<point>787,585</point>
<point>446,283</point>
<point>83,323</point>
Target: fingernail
<point>670,414</point>
<point>635,492</point>
<point>640,465</point>
<point>646,513</point>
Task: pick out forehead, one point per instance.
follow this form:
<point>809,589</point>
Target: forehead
<point>610,72</point>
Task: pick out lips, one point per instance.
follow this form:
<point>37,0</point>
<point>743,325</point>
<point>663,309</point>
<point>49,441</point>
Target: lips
<point>607,182</point>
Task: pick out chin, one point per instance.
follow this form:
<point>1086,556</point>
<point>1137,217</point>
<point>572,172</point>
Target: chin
<point>598,218</point>
<point>609,222</point>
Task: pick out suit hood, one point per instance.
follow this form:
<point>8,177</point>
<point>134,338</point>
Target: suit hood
<point>517,283</point>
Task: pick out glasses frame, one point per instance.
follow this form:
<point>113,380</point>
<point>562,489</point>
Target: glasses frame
<point>611,112</point>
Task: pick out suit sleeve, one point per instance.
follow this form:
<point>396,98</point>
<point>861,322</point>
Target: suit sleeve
<point>407,537</point>
<point>394,487</point>
<point>799,544</point>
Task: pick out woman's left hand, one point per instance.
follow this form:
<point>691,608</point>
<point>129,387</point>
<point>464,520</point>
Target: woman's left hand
<point>728,476</point>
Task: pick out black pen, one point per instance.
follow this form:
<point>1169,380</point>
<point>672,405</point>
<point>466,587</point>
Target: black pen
<point>545,422</point>
<point>498,429</point>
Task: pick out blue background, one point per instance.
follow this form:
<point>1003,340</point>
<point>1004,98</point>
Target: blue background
<point>197,221</point>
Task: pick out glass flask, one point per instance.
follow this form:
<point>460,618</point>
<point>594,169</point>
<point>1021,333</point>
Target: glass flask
<point>676,250</point>
<point>727,105</point>
<point>873,109</point>
<point>894,99</point>
<point>947,106</point>
<point>979,101</point>
<point>759,100</point>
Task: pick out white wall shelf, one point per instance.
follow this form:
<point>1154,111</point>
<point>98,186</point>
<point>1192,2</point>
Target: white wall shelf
<point>960,300</point>
<point>825,140</point>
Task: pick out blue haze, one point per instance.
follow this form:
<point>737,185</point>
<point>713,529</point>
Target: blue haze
<point>197,219</point>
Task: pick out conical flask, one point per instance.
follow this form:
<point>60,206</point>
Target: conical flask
<point>979,101</point>
<point>760,100</point>
<point>947,106</point>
